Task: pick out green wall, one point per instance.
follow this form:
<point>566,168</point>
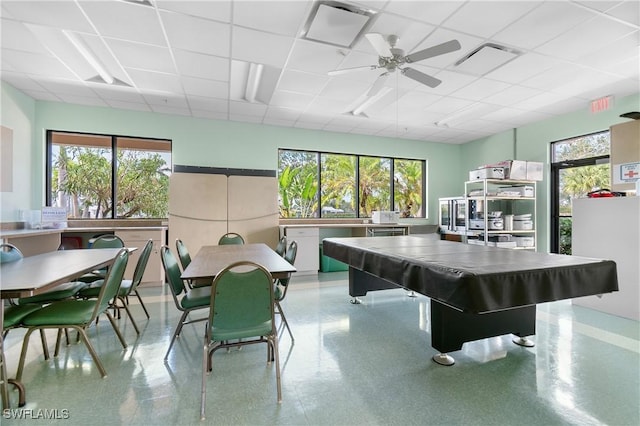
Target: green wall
<point>18,114</point>
<point>532,143</point>
<point>203,142</point>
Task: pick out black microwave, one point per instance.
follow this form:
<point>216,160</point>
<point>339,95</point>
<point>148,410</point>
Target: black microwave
<point>452,211</point>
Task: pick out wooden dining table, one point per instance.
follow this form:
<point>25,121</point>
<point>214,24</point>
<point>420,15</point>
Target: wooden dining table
<point>210,260</point>
<point>33,275</point>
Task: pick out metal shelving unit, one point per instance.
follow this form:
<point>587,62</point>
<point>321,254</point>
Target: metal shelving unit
<point>509,197</point>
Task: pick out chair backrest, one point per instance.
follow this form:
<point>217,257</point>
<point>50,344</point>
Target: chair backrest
<point>112,282</point>
<point>108,241</point>
<point>183,254</point>
<point>290,256</point>
<point>242,299</point>
<point>281,248</point>
<point>138,273</point>
<point>231,238</point>
<point>172,272</point>
<point>9,253</point>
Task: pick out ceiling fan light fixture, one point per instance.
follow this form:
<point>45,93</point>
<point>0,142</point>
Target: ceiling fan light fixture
<point>337,24</point>
<point>485,59</point>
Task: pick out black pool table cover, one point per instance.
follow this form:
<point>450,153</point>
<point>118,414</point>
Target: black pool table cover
<point>473,278</point>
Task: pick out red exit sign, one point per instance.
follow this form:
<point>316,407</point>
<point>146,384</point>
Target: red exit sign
<point>601,104</point>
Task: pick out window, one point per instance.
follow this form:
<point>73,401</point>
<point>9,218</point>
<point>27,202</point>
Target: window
<point>87,172</point>
<point>333,185</point>
<point>578,166</point>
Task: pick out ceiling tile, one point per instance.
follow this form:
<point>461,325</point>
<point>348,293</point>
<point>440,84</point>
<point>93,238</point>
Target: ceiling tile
<point>154,81</point>
<point>42,96</point>
<point>523,67</point>
<point>82,100</point>
<point>218,10</point>
<point>16,36</point>
<point>124,20</point>
<point>295,100</point>
<point>409,32</point>
<point>118,93</point>
<point>542,24</point>
<point>21,81</point>
<point>302,82</point>
<point>480,89</point>
<point>208,104</point>
<point>196,34</point>
<point>467,43</point>
<point>163,99</point>
<point>585,38</point>
<point>128,105</point>
<point>69,87</point>
<point>512,95</point>
<point>280,113</point>
<point>433,12</point>
<point>314,57</point>
<point>142,56</point>
<point>344,90</point>
<point>260,47</point>
<point>628,11</point>
<point>212,115</point>
<point>36,65</point>
<point>495,15</point>
<point>247,108</point>
<point>451,81</point>
<point>162,109</point>
<point>194,64</point>
<point>208,88</point>
<point>278,17</point>
<point>63,14</point>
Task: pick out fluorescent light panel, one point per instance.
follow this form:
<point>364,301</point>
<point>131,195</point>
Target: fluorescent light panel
<point>89,56</point>
<point>371,100</point>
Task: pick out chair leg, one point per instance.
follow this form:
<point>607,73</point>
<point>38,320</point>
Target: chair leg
<point>23,353</point>
<point>284,319</point>
<point>274,342</point>
<point>58,339</point>
<point>116,329</point>
<point>45,346</point>
<point>176,333</point>
<point>126,308</point>
<point>91,350</point>
<point>142,304</point>
<point>205,366</point>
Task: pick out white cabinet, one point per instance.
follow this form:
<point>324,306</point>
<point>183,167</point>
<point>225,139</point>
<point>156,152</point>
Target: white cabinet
<point>608,228</point>
<point>308,239</point>
<point>501,213</point>
<point>154,272</point>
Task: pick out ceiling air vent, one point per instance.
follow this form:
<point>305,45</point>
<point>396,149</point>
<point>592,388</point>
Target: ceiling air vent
<point>485,59</point>
<point>337,24</point>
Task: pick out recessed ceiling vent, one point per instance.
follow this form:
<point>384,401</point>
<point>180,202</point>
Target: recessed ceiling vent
<point>485,59</point>
<point>337,24</point>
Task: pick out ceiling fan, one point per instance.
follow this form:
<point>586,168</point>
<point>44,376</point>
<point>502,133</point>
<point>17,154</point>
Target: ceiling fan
<point>391,58</point>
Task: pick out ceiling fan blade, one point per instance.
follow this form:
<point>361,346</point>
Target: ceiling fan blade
<point>440,49</point>
<point>348,70</point>
<point>379,43</point>
<point>378,84</point>
<point>421,77</point>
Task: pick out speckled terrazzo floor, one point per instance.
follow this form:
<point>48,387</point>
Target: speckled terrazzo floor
<point>367,364</point>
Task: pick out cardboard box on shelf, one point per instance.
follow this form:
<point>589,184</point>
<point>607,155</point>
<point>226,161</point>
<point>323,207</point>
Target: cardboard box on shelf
<point>519,169</point>
<point>534,170</point>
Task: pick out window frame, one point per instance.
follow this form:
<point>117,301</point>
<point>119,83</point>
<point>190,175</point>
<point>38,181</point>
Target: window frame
<point>318,154</point>
<point>114,164</point>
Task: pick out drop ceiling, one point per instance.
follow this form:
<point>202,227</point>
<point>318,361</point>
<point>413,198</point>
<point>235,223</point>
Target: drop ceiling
<point>175,57</point>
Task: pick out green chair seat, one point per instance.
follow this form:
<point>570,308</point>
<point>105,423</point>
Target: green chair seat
<point>66,312</point>
<point>13,315</point>
<point>196,297</point>
<point>64,291</point>
<point>93,290</point>
<point>221,335</point>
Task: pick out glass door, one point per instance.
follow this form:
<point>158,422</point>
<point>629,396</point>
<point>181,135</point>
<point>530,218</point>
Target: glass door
<point>578,166</point>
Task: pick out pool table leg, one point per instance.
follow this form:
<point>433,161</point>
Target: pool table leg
<point>451,328</point>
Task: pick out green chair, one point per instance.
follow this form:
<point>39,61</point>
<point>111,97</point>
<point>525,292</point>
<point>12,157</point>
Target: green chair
<point>231,238</point>
<point>281,248</point>
<point>241,313</point>
<point>186,300</point>
<point>126,287</point>
<point>78,314</point>
<point>102,241</point>
<point>282,285</point>
<point>185,260</point>
<point>15,313</point>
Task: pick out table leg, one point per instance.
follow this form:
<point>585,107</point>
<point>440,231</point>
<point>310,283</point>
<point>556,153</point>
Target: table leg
<point>451,328</point>
<point>361,282</point>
